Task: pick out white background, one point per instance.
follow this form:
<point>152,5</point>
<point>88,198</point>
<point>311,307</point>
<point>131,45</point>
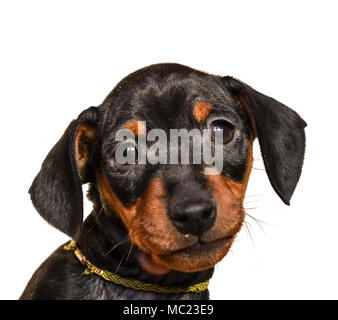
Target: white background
<point>60,57</point>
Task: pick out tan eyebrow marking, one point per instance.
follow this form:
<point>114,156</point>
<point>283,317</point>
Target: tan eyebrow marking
<point>137,127</point>
<point>202,110</point>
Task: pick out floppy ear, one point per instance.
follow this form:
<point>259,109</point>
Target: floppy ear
<point>56,191</point>
<point>281,136</point>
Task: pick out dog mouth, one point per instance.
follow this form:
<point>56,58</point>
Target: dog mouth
<point>200,255</point>
<point>200,246</point>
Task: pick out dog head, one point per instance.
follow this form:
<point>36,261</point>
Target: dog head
<point>183,216</point>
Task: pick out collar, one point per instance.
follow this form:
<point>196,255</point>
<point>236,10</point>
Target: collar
<point>129,282</point>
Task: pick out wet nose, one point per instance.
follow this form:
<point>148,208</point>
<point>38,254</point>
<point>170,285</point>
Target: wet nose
<point>193,216</point>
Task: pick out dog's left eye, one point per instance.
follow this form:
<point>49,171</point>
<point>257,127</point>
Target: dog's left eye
<point>223,127</point>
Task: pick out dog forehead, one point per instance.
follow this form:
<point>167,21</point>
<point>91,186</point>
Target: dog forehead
<point>165,96</point>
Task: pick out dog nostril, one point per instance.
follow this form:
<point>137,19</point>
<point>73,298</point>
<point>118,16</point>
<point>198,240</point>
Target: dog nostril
<point>206,214</point>
<point>193,216</point>
<point>181,218</point>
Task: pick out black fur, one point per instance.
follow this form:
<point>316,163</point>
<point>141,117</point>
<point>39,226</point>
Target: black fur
<point>163,95</point>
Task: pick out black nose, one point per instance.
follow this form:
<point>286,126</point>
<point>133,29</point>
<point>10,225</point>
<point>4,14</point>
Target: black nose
<point>193,216</point>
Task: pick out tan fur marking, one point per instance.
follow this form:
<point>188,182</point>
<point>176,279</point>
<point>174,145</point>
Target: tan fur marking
<point>137,127</point>
<point>110,199</point>
<point>85,134</point>
<point>229,196</point>
<point>202,110</point>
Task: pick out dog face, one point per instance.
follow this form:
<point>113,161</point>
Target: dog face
<point>181,216</point>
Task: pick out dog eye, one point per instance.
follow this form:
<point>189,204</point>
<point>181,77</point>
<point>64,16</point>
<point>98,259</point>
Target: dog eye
<point>131,151</point>
<point>226,129</point>
<point>126,154</point>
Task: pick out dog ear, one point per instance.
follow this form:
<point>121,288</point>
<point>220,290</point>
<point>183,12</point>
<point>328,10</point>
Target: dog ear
<point>56,191</point>
<point>281,136</point>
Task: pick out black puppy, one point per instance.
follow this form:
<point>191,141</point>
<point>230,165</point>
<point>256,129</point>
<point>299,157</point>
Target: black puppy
<point>157,230</point>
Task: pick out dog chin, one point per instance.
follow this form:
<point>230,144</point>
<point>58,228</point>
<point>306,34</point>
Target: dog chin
<point>198,257</point>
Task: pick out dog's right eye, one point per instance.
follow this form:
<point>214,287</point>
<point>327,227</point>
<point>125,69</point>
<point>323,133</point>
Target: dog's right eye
<point>130,151</point>
<point>126,154</point>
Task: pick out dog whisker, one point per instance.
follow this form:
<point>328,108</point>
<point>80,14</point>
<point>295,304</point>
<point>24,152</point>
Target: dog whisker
<point>97,215</point>
<point>250,201</point>
<point>145,237</point>
<point>114,247</point>
<point>127,238</point>
<point>118,267</point>
<point>257,221</point>
<point>247,225</point>
<point>254,195</point>
<point>131,247</point>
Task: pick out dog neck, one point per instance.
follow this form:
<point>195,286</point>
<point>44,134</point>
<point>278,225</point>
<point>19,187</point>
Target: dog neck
<point>104,241</point>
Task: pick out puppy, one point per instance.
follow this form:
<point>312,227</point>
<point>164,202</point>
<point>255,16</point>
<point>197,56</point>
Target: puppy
<point>157,229</point>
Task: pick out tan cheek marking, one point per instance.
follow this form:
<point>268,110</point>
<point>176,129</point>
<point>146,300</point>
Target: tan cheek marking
<point>137,127</point>
<point>237,188</point>
<point>153,214</point>
<point>127,214</point>
<point>228,196</point>
<point>151,202</point>
<point>202,110</point>
<point>149,212</point>
<point>84,136</point>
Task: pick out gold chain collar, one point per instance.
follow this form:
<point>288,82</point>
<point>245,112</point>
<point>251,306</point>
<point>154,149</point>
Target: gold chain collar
<point>128,282</point>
